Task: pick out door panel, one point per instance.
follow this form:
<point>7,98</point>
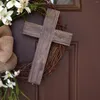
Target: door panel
<point>62,84</point>
<point>28,89</point>
<point>56,86</point>
<point>77,76</point>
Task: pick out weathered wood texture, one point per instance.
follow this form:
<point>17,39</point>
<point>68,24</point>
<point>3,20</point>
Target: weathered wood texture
<point>60,37</point>
<point>46,34</point>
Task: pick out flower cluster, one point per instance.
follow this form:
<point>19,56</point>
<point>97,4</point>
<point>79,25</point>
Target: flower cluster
<point>10,9</point>
<point>9,85</point>
<point>7,81</point>
<point>9,89</point>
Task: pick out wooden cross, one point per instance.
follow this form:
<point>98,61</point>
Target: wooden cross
<point>46,34</point>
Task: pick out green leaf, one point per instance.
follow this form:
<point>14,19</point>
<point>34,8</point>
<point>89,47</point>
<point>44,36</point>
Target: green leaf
<point>5,93</point>
<point>1,92</point>
<point>17,89</point>
<point>1,24</point>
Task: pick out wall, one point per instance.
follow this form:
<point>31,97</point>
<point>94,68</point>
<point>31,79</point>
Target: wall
<point>83,22</point>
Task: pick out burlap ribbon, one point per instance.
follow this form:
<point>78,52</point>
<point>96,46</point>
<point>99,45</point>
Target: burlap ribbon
<point>8,59</point>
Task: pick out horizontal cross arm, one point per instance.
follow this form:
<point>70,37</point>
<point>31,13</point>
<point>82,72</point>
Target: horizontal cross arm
<point>63,38</point>
<point>34,30</point>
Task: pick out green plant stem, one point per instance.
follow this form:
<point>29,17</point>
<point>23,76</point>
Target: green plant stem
<point>4,97</point>
<point>17,98</point>
<point>24,95</point>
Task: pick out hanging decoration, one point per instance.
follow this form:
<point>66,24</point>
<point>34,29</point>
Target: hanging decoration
<point>9,11</point>
<point>46,34</point>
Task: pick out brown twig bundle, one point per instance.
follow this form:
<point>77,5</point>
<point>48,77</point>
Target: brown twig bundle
<point>55,54</point>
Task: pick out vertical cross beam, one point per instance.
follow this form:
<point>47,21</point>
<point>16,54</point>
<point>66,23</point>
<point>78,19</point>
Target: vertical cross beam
<point>43,46</point>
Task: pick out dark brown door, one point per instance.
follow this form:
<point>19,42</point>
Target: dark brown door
<point>78,74</point>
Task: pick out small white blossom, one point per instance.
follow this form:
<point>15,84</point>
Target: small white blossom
<point>12,3</point>
<point>7,75</point>
<point>6,16</point>
<point>16,73</point>
<point>24,5</point>
<point>2,85</point>
<point>52,1</point>
<point>28,9</point>
<point>10,84</point>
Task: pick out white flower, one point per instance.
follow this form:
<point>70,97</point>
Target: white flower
<point>1,6</point>
<point>28,9</point>
<point>10,84</point>
<point>7,75</point>
<point>24,5</point>
<point>12,3</point>
<point>16,73</point>
<point>2,85</point>
<point>52,1</point>
<point>6,16</point>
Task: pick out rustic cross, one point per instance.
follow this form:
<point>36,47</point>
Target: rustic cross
<point>46,34</point>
